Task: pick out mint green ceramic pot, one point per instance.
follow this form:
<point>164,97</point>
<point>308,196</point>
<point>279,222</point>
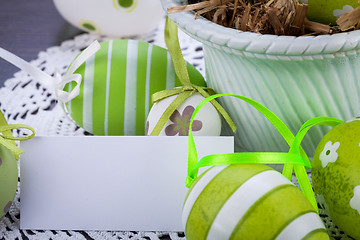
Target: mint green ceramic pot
<point>295,77</point>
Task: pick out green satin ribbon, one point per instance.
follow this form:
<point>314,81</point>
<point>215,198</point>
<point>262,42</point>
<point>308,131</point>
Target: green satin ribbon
<point>295,159</point>
<point>8,140</point>
<point>295,147</point>
<point>172,42</point>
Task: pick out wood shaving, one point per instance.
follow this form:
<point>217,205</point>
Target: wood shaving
<point>350,20</point>
<point>279,17</point>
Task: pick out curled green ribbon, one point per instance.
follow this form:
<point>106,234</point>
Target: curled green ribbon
<point>296,159</point>
<point>8,140</point>
<point>172,42</point>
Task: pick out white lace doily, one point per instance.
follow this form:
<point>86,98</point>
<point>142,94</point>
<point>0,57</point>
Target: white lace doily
<point>24,100</point>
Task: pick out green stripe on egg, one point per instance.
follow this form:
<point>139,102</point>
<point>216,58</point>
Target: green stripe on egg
<point>158,70</point>
<point>273,201</point>
<point>204,179</point>
<point>117,88</point>
<point>100,85</point>
<point>141,88</point>
<point>225,185</point>
<point>118,82</point>
<point>248,201</point>
<point>305,226</point>
<point>319,234</point>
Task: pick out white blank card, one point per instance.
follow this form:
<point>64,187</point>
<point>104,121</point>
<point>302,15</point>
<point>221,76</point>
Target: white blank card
<point>107,183</point>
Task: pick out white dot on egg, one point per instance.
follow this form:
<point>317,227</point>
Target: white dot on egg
<point>355,200</point>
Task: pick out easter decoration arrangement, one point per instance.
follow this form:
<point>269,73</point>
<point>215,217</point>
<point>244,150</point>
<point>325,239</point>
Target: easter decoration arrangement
<point>172,109</point>
<point>114,18</point>
<point>273,52</point>
<point>108,88</point>
<point>9,154</point>
<point>130,87</point>
<point>239,197</point>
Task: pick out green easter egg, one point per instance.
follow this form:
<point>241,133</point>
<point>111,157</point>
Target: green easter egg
<point>336,176</point>
<point>328,11</point>
<point>8,179</point>
<point>118,82</point>
<point>248,201</point>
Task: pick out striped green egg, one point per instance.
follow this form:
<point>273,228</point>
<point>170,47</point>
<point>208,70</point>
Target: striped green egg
<point>8,179</point>
<point>248,201</point>
<point>118,82</point>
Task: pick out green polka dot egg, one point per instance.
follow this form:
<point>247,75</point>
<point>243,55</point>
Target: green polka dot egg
<point>117,85</point>
<point>116,18</point>
<point>8,179</point>
<point>248,201</point>
<point>328,11</point>
<point>336,176</point>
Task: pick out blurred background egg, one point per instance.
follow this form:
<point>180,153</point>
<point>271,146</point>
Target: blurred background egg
<point>248,201</point>
<point>206,123</point>
<point>8,179</point>
<point>115,18</point>
<point>117,86</point>
<point>336,176</point>
<point>328,11</point>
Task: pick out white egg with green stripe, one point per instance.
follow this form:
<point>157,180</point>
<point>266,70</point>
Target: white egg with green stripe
<point>248,201</point>
<point>117,85</point>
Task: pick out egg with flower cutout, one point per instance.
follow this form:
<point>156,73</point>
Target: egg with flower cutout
<point>248,201</point>
<point>114,18</point>
<point>117,85</point>
<point>336,176</point>
<point>328,11</point>
<point>8,179</point>
<point>206,123</point>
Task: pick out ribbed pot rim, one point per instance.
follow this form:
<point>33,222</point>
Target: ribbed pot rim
<point>248,43</point>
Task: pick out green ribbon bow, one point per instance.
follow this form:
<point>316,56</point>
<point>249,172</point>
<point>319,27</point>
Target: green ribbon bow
<point>172,42</point>
<point>296,159</point>
<point>8,140</point>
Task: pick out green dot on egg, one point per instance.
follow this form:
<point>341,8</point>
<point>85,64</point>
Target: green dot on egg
<point>125,3</point>
<point>89,26</point>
